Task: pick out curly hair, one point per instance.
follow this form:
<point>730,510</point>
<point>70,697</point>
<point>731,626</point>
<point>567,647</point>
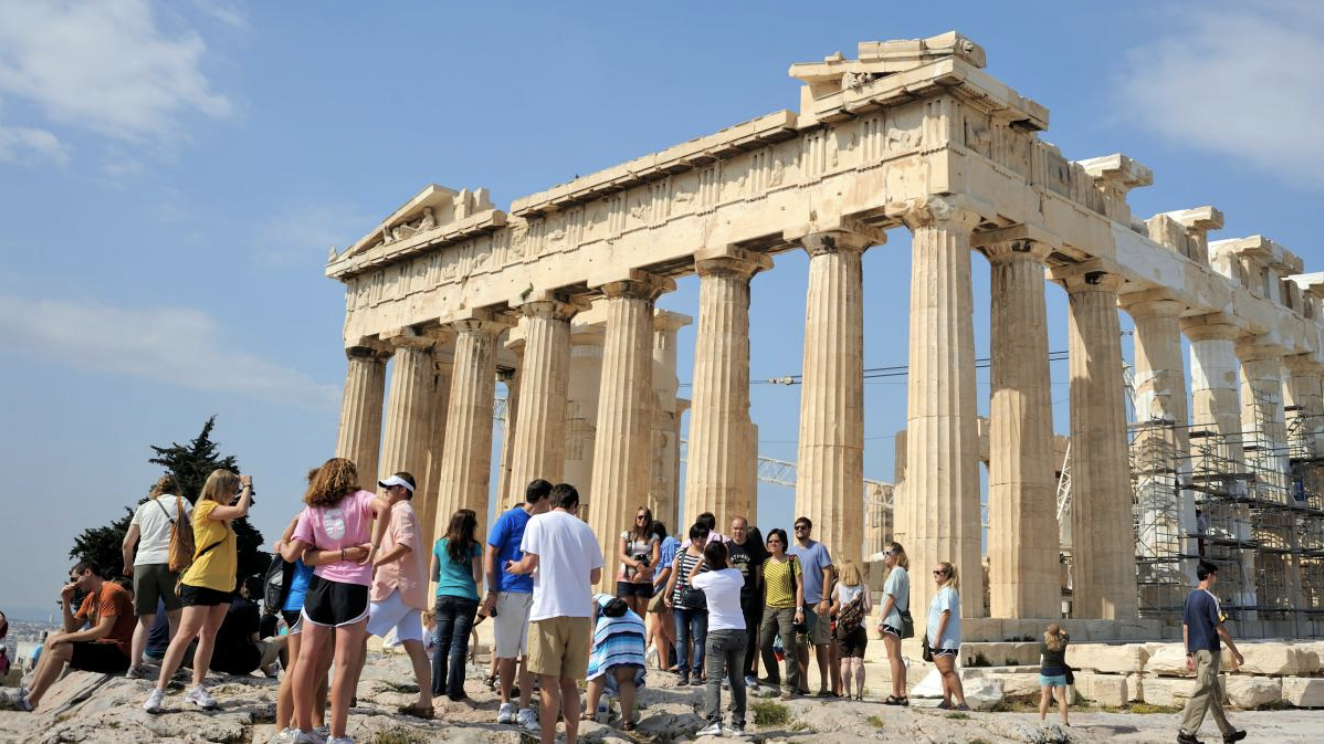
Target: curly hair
<point>165,484</point>
<point>336,479</point>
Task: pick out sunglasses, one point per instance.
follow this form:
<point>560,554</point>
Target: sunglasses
<point>799,527</point>
<point>640,518</point>
<point>940,572</point>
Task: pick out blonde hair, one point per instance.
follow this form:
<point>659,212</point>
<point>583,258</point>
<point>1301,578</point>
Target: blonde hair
<point>902,559</point>
<point>220,487</point>
<point>1054,638</point>
<point>850,574</point>
<point>953,580</point>
<point>336,479</point>
<point>165,484</point>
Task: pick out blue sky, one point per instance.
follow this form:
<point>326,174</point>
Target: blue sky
<point>172,175</point>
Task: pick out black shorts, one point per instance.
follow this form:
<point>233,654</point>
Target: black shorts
<point>92,656</point>
<point>944,652</point>
<point>630,589</point>
<point>854,644</point>
<point>201,596</point>
<point>891,630</point>
<point>331,604</point>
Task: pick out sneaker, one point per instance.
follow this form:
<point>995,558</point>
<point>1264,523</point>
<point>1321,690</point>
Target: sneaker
<point>136,672</point>
<point>751,683</point>
<point>490,683</point>
<point>154,700</point>
<point>529,721</point>
<point>309,737</point>
<point>24,704</point>
<point>507,713</point>
<point>737,731</point>
<point>787,695</point>
<point>340,740</point>
<point>201,698</point>
<point>1185,738</point>
<point>962,707</point>
<point>684,680</point>
<point>726,683</point>
<point>322,732</point>
<point>1234,736</point>
<point>712,729</point>
<point>288,736</point>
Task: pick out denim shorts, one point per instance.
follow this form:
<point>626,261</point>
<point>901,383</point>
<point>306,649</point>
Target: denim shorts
<point>1055,680</point>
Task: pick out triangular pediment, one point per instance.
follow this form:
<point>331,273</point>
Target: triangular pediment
<point>434,207</point>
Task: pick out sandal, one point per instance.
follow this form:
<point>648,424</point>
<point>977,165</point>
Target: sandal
<point>894,700</point>
<point>417,711</point>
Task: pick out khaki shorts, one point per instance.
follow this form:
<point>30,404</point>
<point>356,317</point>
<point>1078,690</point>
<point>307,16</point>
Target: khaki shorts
<point>559,646</point>
<point>658,603</point>
<point>151,582</point>
<point>820,629</point>
<point>511,625</point>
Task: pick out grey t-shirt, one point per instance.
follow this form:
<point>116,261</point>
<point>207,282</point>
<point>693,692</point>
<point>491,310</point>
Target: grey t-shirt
<point>898,586</point>
<point>945,599</point>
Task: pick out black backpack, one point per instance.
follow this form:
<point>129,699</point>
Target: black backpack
<point>276,584</point>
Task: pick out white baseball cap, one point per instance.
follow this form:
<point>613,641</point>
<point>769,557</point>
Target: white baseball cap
<point>396,480</point>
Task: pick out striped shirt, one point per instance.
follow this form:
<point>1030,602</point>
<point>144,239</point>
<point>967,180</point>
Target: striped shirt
<point>780,579</point>
<point>687,563</point>
<point>617,641</point>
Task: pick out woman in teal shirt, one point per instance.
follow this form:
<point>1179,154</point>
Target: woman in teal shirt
<point>457,567</point>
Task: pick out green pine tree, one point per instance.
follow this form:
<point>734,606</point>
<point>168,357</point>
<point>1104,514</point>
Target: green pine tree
<point>190,464</point>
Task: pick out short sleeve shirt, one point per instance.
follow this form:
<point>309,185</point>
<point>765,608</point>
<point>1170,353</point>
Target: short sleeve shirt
<point>344,525</point>
<point>665,556</point>
<point>780,578</point>
<point>455,579</point>
<point>1202,616</point>
<point>217,568</point>
<point>506,536</point>
<point>745,559</point>
<point>813,559</point>
<point>567,552</point>
<point>898,586</point>
<point>636,547</point>
<point>154,518</point>
<point>111,601</point>
<point>946,599</point>
<point>721,589</point>
<point>408,575</point>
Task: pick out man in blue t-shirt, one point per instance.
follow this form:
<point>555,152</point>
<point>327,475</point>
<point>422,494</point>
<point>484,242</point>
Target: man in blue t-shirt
<point>1201,630</point>
<point>816,568</point>
<point>509,599</point>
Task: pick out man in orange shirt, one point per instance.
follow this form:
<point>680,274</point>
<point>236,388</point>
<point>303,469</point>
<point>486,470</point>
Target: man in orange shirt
<point>104,647</point>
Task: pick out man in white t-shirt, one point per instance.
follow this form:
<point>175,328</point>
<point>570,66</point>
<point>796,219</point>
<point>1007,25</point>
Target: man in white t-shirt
<point>146,553</point>
<point>565,559</point>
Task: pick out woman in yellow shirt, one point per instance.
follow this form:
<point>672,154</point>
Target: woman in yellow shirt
<point>206,588</point>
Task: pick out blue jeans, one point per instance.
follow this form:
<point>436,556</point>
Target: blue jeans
<point>691,625</point>
<point>455,620</point>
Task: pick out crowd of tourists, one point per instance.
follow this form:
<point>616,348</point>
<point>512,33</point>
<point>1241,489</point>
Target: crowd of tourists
<point>710,609</point>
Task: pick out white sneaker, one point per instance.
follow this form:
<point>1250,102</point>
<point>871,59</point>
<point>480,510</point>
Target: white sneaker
<point>322,732</point>
<point>286,736</point>
<point>507,713</point>
<point>712,729</point>
<point>529,720</point>
<point>201,698</point>
<point>23,703</point>
<point>154,700</point>
<point>310,737</point>
<point>340,740</point>
<point>135,672</point>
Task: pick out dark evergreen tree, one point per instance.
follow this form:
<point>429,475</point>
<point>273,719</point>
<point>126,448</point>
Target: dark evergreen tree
<point>190,464</point>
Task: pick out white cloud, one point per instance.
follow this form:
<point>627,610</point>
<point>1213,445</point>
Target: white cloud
<point>305,234</point>
<point>1241,80</point>
<point>31,146</point>
<point>179,346</point>
<point>104,65</point>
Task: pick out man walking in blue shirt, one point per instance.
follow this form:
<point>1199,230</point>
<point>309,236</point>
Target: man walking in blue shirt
<point>1201,630</point>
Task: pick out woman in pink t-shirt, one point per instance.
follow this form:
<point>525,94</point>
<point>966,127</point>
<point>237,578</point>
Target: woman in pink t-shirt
<point>333,534</point>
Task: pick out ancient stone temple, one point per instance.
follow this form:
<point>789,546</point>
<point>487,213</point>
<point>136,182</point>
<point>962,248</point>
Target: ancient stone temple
<point>457,294</point>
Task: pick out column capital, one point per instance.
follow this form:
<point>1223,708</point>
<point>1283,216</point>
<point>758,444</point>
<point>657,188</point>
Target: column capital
<point>730,261</point>
<point>1257,348</point>
<point>666,320</point>
<point>507,374</point>
<point>410,338</point>
<point>377,351</point>
<point>1016,242</point>
<point>1302,365</point>
<point>940,212</point>
<point>1088,277</point>
<point>1211,327</point>
<point>554,309</point>
<point>836,241</point>
<point>1152,303</point>
<point>479,322</point>
<point>636,284</point>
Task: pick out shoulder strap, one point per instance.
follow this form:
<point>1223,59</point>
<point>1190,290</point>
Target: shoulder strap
<point>157,501</point>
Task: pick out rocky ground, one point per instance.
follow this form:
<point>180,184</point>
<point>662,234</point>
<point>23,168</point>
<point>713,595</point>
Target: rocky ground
<point>94,708</point>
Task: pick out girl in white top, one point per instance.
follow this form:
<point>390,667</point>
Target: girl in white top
<point>149,532</point>
<point>851,590</point>
<point>725,641</point>
<point>944,631</point>
<point>896,600</point>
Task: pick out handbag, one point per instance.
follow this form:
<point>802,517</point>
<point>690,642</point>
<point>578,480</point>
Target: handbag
<point>1071,678</point>
<point>693,599</point>
<point>927,652</point>
<point>907,624</point>
<point>181,539</point>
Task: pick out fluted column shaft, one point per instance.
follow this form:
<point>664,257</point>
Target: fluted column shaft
<point>359,437</point>
<point>1262,414</point>
<point>941,495</point>
<point>717,478</point>
<point>621,449</point>
<point>466,461</point>
<point>539,450</point>
<point>1023,532</point>
<point>582,410</point>
<point>1305,395</point>
<point>408,427</point>
<point>1103,550</point>
<point>426,508</point>
<point>507,493</point>
<point>663,488</point>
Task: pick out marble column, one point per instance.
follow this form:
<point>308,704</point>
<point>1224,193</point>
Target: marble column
<point>360,434</point>
<point>506,492</point>
<point>1305,399</point>
<point>426,508</point>
<point>1165,514</point>
<point>539,450</point>
<point>1264,439</point>
<point>1103,551</point>
<point>663,487</point>
<point>408,427</point>
<point>1023,533</point>
<point>621,458</point>
<point>718,477</point>
<point>581,410</point>
<point>941,495</point>
<point>680,524</point>
<point>466,460</point>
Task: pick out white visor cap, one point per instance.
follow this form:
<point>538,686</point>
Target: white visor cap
<point>396,480</point>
